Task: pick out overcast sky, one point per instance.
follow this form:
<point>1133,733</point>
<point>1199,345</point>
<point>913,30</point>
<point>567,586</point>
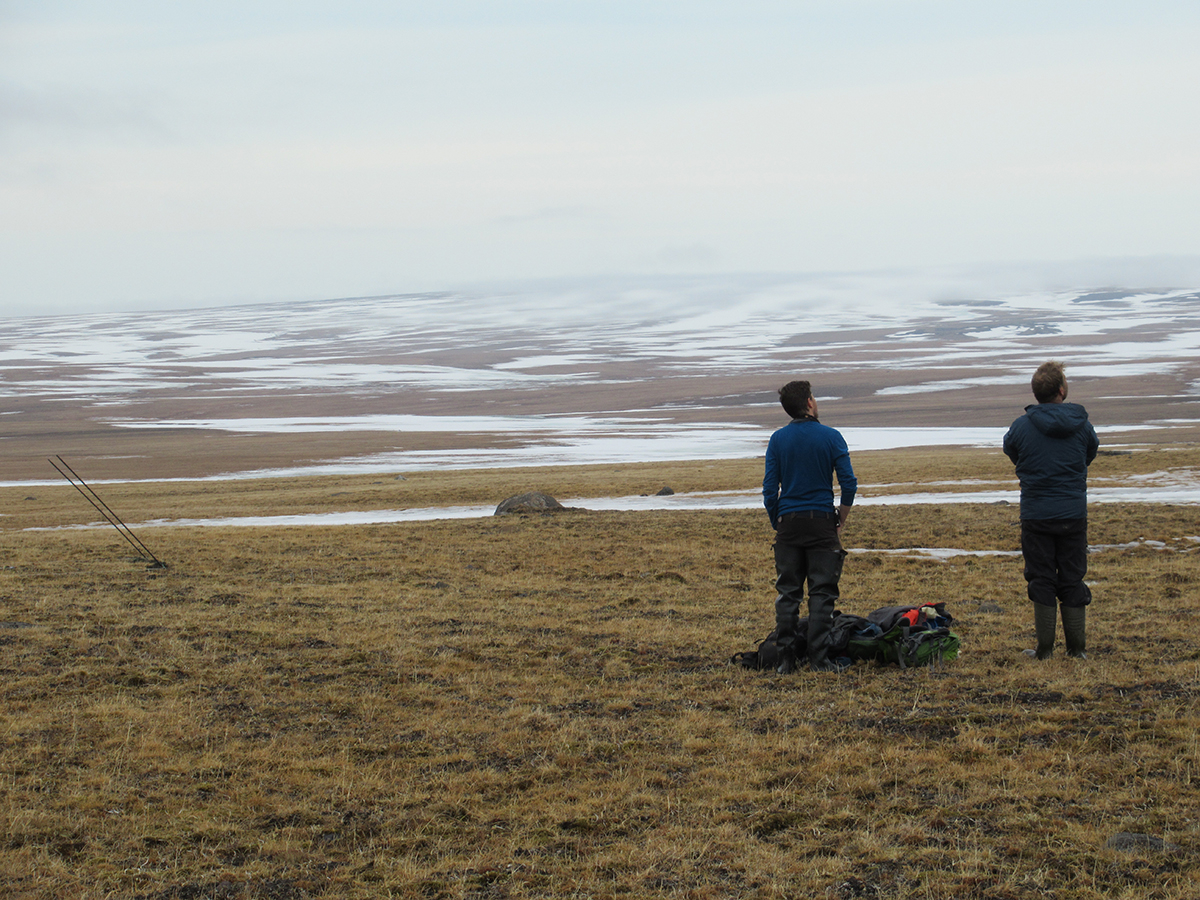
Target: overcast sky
<point>157,154</point>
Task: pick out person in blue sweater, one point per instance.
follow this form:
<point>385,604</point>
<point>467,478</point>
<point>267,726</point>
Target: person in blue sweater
<point>802,458</point>
<point>1052,446</point>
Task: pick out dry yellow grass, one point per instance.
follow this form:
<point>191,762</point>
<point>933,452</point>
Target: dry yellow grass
<point>541,706</point>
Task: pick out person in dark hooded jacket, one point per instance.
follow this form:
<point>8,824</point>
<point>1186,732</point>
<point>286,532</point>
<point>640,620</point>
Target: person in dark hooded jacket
<point>1052,446</point>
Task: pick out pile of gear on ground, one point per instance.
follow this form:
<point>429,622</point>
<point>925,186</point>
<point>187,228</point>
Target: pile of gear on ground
<point>905,636</point>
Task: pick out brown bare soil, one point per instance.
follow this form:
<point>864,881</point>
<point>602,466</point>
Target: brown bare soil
<point>541,705</point>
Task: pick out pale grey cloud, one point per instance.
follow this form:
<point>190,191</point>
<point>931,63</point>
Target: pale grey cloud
<point>267,150</point>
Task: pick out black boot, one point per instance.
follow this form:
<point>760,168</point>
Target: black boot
<point>1045,622</point>
<point>820,619</point>
<point>824,570</point>
<point>1074,620</point>
<point>786,620</point>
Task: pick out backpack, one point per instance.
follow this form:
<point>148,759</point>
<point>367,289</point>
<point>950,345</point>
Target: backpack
<point>769,654</point>
<point>907,636</point>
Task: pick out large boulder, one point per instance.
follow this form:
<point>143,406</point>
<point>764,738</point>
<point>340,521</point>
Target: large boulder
<point>533,501</point>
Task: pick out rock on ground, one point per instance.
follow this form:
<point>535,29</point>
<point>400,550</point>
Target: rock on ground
<point>533,501</point>
<point>1128,842</point>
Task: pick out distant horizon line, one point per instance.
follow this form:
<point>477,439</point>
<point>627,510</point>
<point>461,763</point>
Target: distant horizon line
<point>1054,275</point>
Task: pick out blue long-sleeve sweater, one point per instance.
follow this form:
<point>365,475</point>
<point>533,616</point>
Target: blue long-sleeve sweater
<point>801,460</point>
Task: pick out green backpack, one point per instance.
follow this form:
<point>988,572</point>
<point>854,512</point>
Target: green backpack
<point>906,636</point>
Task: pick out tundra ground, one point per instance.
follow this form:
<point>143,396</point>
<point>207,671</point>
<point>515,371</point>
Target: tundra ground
<point>541,705</point>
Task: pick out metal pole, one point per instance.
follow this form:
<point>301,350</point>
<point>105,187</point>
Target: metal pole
<point>113,519</point>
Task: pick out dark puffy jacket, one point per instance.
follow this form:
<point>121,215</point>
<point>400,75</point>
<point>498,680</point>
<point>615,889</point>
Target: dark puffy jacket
<point>1052,446</point>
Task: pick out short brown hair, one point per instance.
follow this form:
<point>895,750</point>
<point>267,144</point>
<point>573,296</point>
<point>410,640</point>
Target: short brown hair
<point>794,397</point>
<point>1047,381</point>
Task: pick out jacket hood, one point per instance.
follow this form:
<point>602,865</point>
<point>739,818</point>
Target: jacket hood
<point>1057,420</point>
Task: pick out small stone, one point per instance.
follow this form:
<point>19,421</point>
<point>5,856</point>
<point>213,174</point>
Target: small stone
<point>1128,842</point>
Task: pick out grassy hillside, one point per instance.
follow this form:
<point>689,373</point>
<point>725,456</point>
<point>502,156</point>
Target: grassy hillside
<point>535,706</point>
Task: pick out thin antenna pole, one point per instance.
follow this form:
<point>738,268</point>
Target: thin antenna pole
<point>113,519</point>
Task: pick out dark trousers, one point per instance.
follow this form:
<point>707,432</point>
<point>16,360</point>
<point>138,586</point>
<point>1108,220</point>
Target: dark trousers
<point>1055,552</point>
<point>807,550</point>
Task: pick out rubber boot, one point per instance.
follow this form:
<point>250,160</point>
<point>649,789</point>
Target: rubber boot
<point>1074,620</point>
<point>1045,621</point>
<point>824,570</point>
<point>786,621</point>
<point>791,569</point>
<point>820,620</point>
